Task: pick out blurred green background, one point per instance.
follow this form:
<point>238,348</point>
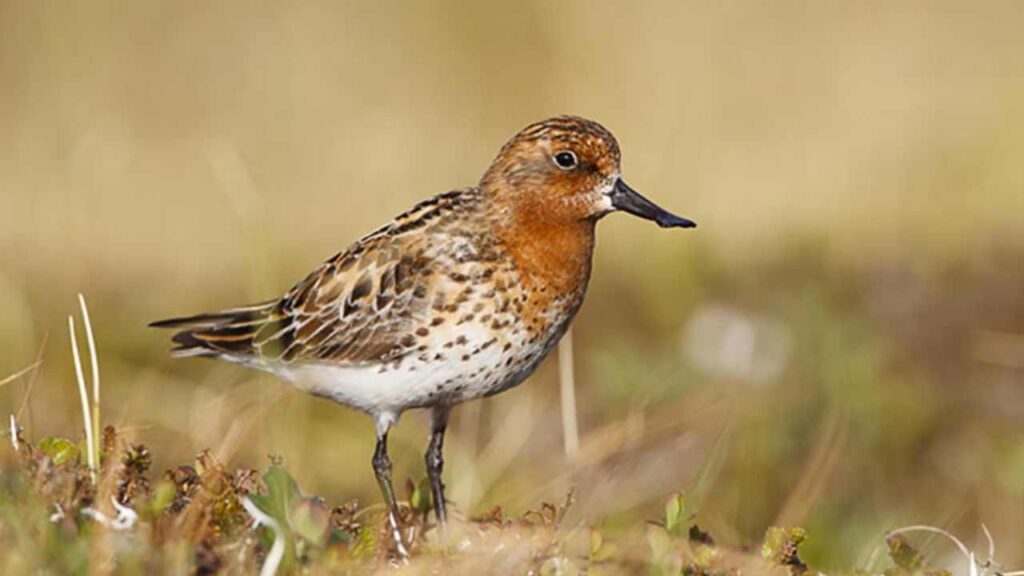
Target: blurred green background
<point>839,345</point>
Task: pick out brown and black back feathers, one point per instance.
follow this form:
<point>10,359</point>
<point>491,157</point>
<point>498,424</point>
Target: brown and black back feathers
<point>355,308</point>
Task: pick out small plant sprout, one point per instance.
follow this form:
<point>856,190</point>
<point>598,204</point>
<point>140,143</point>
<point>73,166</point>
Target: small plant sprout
<point>782,546</point>
<point>674,510</point>
<point>90,417</point>
<point>276,554</point>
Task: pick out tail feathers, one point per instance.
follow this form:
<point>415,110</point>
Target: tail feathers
<point>226,333</point>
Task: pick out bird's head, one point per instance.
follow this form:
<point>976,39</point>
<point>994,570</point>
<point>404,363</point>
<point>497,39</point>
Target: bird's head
<point>567,169</point>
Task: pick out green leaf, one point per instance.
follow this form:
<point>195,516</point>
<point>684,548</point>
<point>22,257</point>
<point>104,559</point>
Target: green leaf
<point>365,545</point>
<point>60,450</point>
<point>674,513</point>
<point>163,496</point>
<point>600,551</point>
<point>304,518</point>
<point>420,499</point>
<point>282,495</point>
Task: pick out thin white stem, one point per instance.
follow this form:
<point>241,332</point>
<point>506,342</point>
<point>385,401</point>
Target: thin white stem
<point>126,517</point>
<point>58,513</point>
<point>89,440</point>
<point>95,365</point>
<point>14,433</point>
<point>991,543</point>
<point>92,350</point>
<point>273,560</point>
<point>956,541</point>
<point>567,387</point>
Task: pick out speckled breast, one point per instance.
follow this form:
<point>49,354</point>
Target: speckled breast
<point>486,330</point>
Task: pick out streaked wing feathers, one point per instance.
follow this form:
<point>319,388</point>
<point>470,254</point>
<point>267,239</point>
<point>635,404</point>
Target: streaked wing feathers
<point>354,308</point>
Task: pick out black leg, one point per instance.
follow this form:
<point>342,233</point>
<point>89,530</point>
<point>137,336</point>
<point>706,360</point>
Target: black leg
<point>382,469</point>
<point>435,461</point>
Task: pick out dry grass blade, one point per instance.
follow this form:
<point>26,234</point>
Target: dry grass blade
<point>819,467</point>
<point>20,373</point>
<point>35,374</point>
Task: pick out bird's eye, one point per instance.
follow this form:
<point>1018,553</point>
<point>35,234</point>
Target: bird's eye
<point>566,160</point>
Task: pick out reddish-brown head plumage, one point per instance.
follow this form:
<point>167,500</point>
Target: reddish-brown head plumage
<point>550,184</point>
<point>561,165</point>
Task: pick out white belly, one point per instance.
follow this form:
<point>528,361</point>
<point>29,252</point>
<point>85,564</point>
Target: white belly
<point>479,364</point>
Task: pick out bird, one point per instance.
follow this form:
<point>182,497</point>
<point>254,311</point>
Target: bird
<point>458,298</point>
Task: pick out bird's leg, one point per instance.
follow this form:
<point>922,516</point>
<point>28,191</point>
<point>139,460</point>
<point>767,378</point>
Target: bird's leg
<point>435,460</point>
<point>382,469</point>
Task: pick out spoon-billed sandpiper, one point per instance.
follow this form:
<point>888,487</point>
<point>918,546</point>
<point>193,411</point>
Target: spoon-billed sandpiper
<point>458,298</point>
